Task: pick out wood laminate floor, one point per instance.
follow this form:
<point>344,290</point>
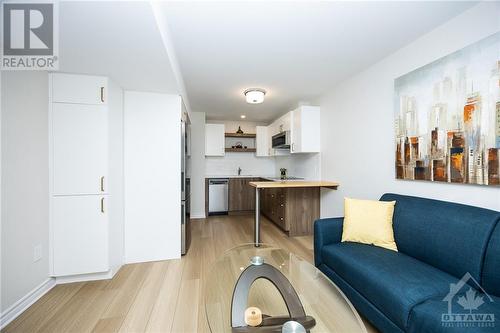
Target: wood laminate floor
<point>162,296</point>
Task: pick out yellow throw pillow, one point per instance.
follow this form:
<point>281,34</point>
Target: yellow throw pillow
<point>369,222</point>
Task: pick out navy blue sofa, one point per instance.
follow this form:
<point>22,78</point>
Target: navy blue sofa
<point>410,290</point>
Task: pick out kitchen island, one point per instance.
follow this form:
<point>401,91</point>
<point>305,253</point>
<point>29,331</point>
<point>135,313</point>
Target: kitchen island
<point>291,205</point>
<point>240,196</point>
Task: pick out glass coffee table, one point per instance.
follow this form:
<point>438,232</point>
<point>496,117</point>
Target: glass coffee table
<point>266,276</point>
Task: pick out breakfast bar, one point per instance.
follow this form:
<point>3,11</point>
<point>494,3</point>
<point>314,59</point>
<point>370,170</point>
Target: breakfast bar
<point>284,196</point>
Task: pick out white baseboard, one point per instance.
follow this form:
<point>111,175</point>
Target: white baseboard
<point>20,306</point>
<point>34,295</point>
<point>194,216</point>
<point>84,277</point>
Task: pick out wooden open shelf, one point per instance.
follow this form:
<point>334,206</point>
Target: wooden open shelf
<point>241,150</point>
<point>236,135</point>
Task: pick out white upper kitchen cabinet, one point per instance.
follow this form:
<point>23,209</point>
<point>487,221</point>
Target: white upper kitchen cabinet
<point>80,235</point>
<point>262,141</point>
<point>305,130</point>
<point>214,140</point>
<point>283,123</point>
<point>271,130</point>
<point>80,89</point>
<point>79,149</point>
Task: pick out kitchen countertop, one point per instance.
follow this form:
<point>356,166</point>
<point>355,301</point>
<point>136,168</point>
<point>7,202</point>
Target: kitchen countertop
<point>295,183</point>
<point>236,176</point>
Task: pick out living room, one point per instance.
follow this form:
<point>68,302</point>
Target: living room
<point>384,115</point>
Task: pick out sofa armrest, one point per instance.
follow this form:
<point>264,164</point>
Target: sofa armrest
<point>326,231</point>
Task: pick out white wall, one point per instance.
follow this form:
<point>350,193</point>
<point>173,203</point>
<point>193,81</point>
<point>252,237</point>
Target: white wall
<point>249,163</point>
<point>152,176</point>
<point>232,126</point>
<point>357,134</point>
<point>197,165</point>
<point>24,191</point>
<point>298,165</point>
<point>307,166</point>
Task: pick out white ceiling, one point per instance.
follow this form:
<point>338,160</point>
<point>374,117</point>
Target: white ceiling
<point>118,40</point>
<point>295,50</point>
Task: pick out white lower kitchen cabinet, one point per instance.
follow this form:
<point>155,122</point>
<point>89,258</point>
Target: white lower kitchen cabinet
<point>79,235</point>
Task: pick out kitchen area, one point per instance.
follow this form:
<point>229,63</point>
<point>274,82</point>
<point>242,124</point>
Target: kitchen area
<point>284,152</point>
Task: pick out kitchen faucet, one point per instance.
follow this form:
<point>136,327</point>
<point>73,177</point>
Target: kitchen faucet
<point>239,171</point>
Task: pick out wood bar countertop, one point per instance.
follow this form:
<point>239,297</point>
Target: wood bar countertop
<point>294,183</point>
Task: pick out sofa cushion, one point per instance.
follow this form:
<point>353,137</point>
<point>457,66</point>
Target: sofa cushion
<point>427,317</point>
<point>392,281</point>
<point>361,304</point>
<point>449,236</point>
<point>369,222</point>
<point>491,267</point>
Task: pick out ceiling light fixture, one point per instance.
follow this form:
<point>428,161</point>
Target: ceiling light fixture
<point>243,116</point>
<point>254,95</point>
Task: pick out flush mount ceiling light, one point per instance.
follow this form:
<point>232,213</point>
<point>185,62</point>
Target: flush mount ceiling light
<point>243,116</point>
<point>254,95</point>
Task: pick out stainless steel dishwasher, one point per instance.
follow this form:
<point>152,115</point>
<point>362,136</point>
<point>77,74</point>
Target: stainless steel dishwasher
<point>218,196</point>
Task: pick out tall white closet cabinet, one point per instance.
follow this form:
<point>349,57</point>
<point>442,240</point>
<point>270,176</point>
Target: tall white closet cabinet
<point>86,199</point>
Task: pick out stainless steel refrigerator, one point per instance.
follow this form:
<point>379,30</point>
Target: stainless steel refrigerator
<point>185,185</point>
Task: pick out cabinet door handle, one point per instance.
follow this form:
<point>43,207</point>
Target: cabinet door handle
<point>102,205</point>
<point>293,146</point>
<point>102,184</point>
<point>102,94</point>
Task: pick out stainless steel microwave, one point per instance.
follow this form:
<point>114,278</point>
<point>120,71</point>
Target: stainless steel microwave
<point>281,140</point>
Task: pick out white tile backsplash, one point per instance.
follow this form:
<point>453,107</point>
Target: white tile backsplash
<point>300,165</point>
<point>248,162</point>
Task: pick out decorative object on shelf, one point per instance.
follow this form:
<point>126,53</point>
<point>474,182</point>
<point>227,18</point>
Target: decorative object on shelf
<point>251,319</point>
<point>240,150</point>
<point>237,135</point>
<point>238,145</point>
<point>239,131</point>
<point>447,118</point>
<point>282,173</point>
<point>254,95</point>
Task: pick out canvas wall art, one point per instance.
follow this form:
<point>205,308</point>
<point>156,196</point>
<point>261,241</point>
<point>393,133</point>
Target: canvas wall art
<point>447,118</point>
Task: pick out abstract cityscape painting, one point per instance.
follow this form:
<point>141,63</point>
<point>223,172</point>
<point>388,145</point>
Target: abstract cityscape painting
<point>447,118</point>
